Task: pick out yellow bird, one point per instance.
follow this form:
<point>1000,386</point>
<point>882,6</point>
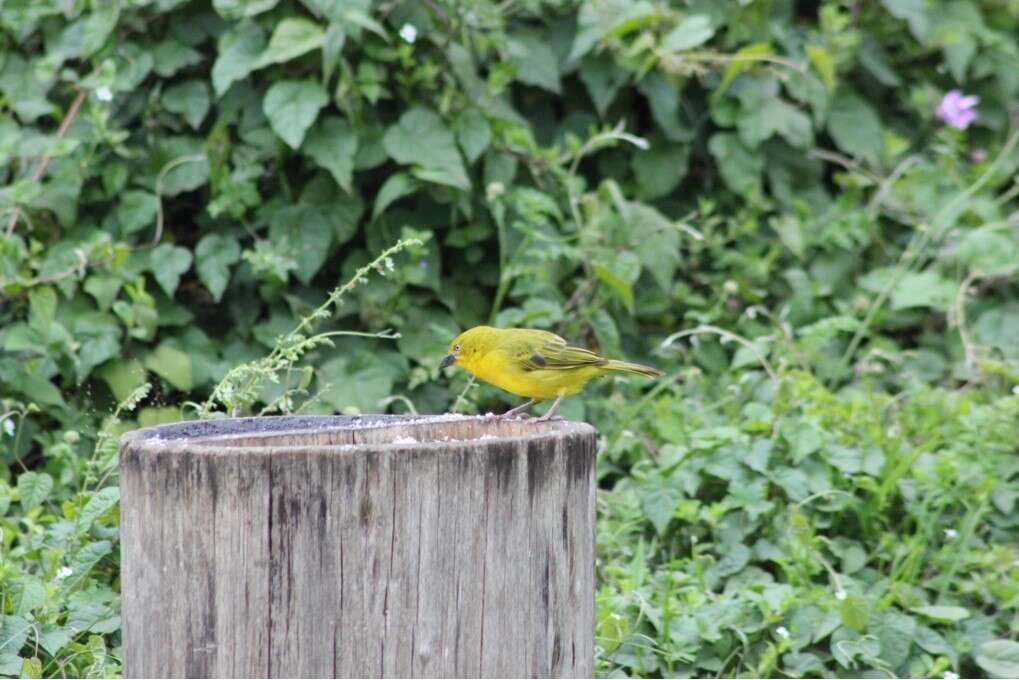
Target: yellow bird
<point>530,363</point>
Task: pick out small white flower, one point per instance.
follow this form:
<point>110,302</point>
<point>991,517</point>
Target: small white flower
<point>8,426</point>
<point>409,33</point>
<point>840,594</point>
<point>1015,390</point>
<point>495,190</point>
<point>951,533</point>
<point>782,632</point>
<point>730,286</point>
<point>104,94</point>
<point>949,675</point>
<point>63,572</point>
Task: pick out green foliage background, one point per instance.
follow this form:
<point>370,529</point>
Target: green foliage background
<point>755,196</point>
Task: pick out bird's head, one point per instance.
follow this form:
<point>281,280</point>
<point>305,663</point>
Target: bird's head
<point>466,347</point>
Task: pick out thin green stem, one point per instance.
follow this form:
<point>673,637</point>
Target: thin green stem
<point>918,246</point>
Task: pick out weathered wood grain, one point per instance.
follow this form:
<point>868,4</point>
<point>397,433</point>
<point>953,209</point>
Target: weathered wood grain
<point>358,547</point>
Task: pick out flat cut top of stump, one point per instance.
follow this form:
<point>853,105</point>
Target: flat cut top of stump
<point>269,434</point>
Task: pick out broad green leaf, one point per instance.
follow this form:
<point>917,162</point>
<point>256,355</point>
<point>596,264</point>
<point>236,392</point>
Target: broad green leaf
<point>292,106</point>
<point>237,9</point>
<point>745,58</point>
<point>660,169</point>
<point>534,60</point>
<point>397,186</point>
<point>123,376</point>
<point>774,116</point>
<point>27,593</point>
<point>752,497</point>
<point>601,323</point>
<point>913,12</point>
<point>616,284</point>
<point>238,50</point>
<point>596,20</point>
<point>40,390</point>
<point>168,262</point>
<point>663,96</point>
<point>944,613</point>
<point>358,384</point>
<point>53,638</point>
<point>25,89</point>
<point>659,499</point>
<point>14,632</point>
<point>50,145</point>
<point>136,210</point>
<point>473,133</point>
<point>998,327</point>
<point>426,332</point>
<point>986,249</point>
<point>603,79</point>
<point>692,31</point>
<point>42,307</point>
<point>1000,658</point>
<point>924,289</point>
<point>150,416</point>
<point>421,139</point>
<point>740,168</point>
<point>99,336</point>
<point>342,211</point>
<point>875,60</point>
<point>99,504</point>
<point>332,144</point>
<point>733,560</point>
<point>92,608</point>
<point>104,288</point>
<point>11,664</point>
<point>657,240</point>
<point>214,255</point>
<point>190,99</point>
<point>292,37</point>
<point>83,561</point>
<point>823,63</point>
<point>855,126</point>
<point>33,489</point>
<point>182,163</point>
<point>308,234</point>
<point>99,24</point>
<point>894,631</point>
<point>855,612</point>
<point>171,364</point>
<point>170,56</point>
<point>332,44</point>
<point>931,641</point>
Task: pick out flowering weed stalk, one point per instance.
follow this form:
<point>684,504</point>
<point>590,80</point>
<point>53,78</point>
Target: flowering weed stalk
<point>243,384</point>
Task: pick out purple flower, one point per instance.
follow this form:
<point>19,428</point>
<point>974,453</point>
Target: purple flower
<point>957,109</point>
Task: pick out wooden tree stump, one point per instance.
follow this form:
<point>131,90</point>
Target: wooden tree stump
<point>378,546</point>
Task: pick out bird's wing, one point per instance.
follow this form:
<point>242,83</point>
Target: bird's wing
<point>544,350</point>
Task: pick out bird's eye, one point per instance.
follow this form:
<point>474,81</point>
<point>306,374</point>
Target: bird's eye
<point>456,348</point>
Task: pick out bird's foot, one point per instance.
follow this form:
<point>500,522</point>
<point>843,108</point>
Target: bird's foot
<point>518,412</point>
<point>514,416</point>
<point>548,417</point>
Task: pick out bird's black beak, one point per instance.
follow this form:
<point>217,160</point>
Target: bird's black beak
<point>447,361</point>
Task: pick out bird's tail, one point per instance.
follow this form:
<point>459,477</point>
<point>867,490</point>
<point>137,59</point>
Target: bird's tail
<point>627,367</point>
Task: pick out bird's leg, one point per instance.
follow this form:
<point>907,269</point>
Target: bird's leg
<point>551,409</point>
<point>518,409</point>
